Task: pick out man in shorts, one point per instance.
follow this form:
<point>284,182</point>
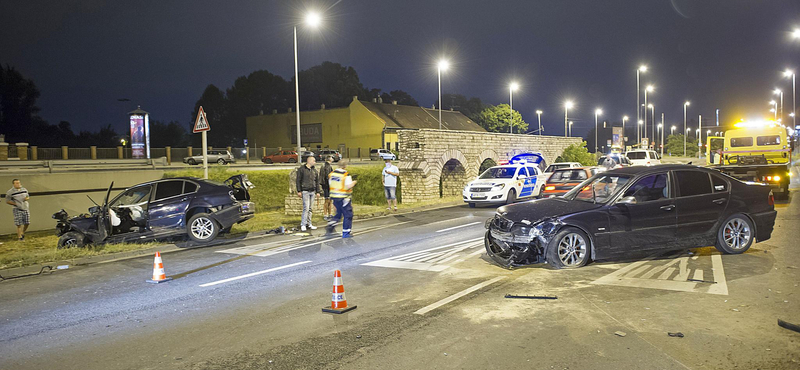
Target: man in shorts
<point>389,179</point>
<point>18,197</point>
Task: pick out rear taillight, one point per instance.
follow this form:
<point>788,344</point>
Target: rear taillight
<point>771,200</point>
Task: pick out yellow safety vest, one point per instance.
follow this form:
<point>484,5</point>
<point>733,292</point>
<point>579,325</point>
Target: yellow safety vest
<point>336,180</point>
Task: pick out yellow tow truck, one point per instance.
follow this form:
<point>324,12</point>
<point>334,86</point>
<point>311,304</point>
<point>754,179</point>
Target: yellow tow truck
<point>756,151</point>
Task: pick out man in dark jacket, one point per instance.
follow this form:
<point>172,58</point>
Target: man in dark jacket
<point>307,187</point>
<point>326,189</point>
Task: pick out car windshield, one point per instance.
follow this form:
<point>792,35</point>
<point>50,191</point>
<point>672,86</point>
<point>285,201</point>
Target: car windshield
<point>572,175</point>
<point>499,173</point>
<point>598,189</point>
<point>636,155</point>
<point>554,167</point>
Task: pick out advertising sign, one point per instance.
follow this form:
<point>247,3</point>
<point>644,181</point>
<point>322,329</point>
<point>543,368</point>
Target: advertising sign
<point>138,136</point>
<point>616,137</point>
<point>309,133</point>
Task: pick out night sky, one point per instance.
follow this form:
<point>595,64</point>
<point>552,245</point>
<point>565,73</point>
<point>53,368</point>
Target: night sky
<point>84,55</point>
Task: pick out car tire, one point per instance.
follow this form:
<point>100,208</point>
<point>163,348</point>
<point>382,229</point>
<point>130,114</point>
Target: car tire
<point>472,205</point>
<point>292,160</point>
<point>735,235</point>
<point>512,196</point>
<point>569,248</point>
<point>221,161</point>
<point>268,161</point>
<point>72,239</point>
<point>202,228</point>
<point>192,162</point>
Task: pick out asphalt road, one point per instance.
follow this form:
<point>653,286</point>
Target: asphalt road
<point>427,297</point>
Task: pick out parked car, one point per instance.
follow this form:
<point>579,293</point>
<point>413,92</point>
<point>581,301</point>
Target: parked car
<point>160,209</point>
<point>549,171</point>
<point>563,180</point>
<point>323,153</point>
<point>281,156</point>
<point>619,160</point>
<point>631,210</point>
<point>381,154</point>
<point>643,157</point>
<point>502,185</point>
<point>214,156</point>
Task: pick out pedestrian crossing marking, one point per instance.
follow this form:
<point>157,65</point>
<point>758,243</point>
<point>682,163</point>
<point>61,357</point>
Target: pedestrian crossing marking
<point>431,259</point>
<point>671,275</point>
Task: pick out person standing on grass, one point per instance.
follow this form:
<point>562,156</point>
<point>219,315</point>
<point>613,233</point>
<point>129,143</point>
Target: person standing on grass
<point>326,189</point>
<point>18,197</point>
<point>341,185</point>
<point>307,188</point>
<point>389,179</point>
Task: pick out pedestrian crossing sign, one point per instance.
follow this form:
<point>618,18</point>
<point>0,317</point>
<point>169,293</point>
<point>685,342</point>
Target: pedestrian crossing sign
<point>201,124</point>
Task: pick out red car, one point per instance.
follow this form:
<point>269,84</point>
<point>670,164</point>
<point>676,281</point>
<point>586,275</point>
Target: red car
<point>281,156</point>
<point>562,181</point>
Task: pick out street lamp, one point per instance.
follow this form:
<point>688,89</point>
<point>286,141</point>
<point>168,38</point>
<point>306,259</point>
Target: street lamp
<point>313,19</point>
<point>774,108</point>
<point>642,69</point>
<point>780,93</point>
<point>661,133</point>
<point>624,118</point>
<point>570,128</point>
<point>672,130</point>
<point>794,101</point>
<point>796,33</point>
<point>653,117</point>
<point>699,134</point>
<point>443,65</point>
<point>648,89</point>
<point>511,88</point>
<point>567,106</point>
<point>597,112</point>
<point>639,133</point>
<point>539,114</point>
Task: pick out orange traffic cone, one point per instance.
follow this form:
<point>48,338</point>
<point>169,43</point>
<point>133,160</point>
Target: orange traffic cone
<point>338,301</point>
<point>158,271</point>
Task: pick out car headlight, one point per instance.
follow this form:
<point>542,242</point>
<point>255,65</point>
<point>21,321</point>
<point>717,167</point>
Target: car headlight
<point>498,187</point>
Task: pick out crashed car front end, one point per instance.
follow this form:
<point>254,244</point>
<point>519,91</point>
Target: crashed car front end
<point>520,243</point>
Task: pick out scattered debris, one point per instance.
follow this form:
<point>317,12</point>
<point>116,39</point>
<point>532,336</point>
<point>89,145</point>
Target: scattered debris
<point>280,230</point>
<point>702,281</point>
<point>789,326</point>
<point>358,337</point>
<point>620,333</point>
<point>735,310</point>
<point>445,353</point>
<point>676,335</point>
<point>531,296</point>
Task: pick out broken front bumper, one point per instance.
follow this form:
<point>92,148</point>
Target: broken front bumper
<point>516,244</point>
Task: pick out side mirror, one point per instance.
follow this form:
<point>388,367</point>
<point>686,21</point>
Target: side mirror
<point>627,200</point>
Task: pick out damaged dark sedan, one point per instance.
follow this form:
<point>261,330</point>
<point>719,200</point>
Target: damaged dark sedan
<point>633,209</point>
<point>200,209</point>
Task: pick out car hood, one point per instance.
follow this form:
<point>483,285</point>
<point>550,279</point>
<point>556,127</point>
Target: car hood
<point>537,210</point>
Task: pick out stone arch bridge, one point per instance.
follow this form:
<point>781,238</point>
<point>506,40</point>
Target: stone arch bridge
<point>437,163</point>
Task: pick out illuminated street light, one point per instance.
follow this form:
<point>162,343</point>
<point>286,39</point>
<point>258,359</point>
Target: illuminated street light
<point>539,114</point>
<point>672,130</point>
<point>313,20</point>
<point>570,128</point>
<point>513,86</point>
<point>789,73</point>
<point>796,33</point>
<point>443,65</point>
<point>624,118</point>
<point>648,89</point>
<point>684,126</point>
<point>639,132</point>
<point>567,106</point>
<point>597,112</point>
<point>779,93</point>
<point>641,69</point>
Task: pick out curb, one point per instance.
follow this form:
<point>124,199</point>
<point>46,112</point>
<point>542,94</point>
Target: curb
<point>170,248</point>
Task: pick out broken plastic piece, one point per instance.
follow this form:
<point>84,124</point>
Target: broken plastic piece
<point>620,333</point>
<point>62,267</point>
<point>531,296</point>
<point>677,335</point>
<point>702,281</point>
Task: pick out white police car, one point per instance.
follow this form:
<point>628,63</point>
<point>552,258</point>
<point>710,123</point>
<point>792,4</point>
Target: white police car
<point>503,184</point>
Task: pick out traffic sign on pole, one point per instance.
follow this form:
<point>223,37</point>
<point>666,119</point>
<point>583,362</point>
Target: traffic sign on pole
<point>201,125</point>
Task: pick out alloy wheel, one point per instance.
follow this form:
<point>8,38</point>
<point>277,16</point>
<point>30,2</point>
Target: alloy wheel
<point>572,249</point>
<point>736,233</point>
<point>202,228</point>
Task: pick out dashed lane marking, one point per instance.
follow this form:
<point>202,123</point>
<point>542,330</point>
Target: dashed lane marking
<point>671,275</point>
<point>458,295</point>
<point>432,259</point>
<point>253,274</point>
<point>458,227</point>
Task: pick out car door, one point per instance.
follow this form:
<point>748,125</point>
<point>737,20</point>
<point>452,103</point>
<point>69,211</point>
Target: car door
<point>644,216</point>
<point>167,210</point>
<point>699,207</point>
<point>529,183</point>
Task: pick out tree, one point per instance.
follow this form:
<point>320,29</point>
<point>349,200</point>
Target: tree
<point>495,118</point>
<point>329,83</point>
<point>578,153</point>
<point>402,98</point>
<point>471,107</point>
<point>18,111</point>
<point>168,134</point>
<point>674,145</point>
<point>215,105</point>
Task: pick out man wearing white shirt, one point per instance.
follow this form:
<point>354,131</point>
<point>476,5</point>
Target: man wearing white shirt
<point>389,179</point>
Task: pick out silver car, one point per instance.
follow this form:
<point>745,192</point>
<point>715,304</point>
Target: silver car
<point>214,155</point>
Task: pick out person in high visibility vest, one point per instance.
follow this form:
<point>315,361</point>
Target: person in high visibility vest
<point>341,186</point>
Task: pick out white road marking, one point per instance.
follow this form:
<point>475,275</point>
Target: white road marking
<point>431,259</point>
<point>648,274</point>
<point>458,227</point>
<point>458,295</point>
<point>252,274</point>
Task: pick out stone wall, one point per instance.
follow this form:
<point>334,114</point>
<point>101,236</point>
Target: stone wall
<point>424,153</point>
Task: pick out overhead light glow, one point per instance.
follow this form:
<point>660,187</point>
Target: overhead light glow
<point>313,19</point>
<point>443,65</point>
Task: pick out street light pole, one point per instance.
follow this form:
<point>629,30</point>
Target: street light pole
<point>597,112</point>
<point>663,128</point>
<point>639,93</point>
<point>699,135</point>
<point>624,118</point>
<point>794,100</point>
<point>296,93</point>
<point>653,127</point>
<point>684,127</point>
<point>567,106</point>
<point>539,115</point>
<point>570,128</point>
<point>511,89</point>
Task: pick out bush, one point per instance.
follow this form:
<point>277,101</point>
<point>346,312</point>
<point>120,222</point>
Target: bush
<point>578,153</point>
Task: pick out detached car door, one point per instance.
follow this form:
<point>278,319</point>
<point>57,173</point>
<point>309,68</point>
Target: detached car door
<point>167,210</point>
<point>649,222</point>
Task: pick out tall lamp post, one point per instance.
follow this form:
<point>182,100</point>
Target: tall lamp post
<point>570,128</point>
<point>653,127</point>
<point>539,115</point>
<point>649,88</point>
<point>699,135</point>
<point>597,112</point>
<point>442,66</point>
<point>641,69</point>
<point>684,127</point>
<point>313,20</point>
<point>567,106</point>
<point>774,109</point>
<point>639,133</point>
<point>663,128</point>
<point>624,118</point>
<point>789,73</point>
<point>511,88</point>
<point>780,94</point>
